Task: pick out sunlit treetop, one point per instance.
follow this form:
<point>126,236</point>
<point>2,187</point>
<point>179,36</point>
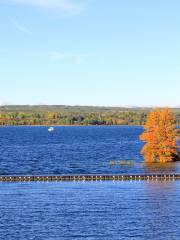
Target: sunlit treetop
<point>160,136</point>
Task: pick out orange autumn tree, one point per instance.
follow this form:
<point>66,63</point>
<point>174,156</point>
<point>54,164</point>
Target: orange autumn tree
<point>160,136</point>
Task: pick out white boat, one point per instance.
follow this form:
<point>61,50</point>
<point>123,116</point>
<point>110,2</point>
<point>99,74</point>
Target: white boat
<point>50,129</point>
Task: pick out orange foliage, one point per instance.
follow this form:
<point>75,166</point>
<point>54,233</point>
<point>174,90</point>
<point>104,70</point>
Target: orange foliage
<point>160,136</point>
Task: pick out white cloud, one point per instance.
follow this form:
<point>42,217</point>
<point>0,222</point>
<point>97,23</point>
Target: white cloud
<point>22,28</point>
<point>68,6</point>
<point>76,58</point>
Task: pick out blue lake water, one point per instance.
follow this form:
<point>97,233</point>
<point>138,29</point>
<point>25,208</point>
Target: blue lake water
<point>74,150</point>
<point>90,210</point>
<point>137,210</point>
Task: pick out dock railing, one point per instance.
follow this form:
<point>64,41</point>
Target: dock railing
<point>98,177</point>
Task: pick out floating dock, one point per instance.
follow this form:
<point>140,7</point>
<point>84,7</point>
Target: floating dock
<point>61,178</point>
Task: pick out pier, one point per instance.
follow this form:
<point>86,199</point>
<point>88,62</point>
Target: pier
<point>99,177</point>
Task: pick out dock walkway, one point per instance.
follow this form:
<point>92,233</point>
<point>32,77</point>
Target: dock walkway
<point>50,178</point>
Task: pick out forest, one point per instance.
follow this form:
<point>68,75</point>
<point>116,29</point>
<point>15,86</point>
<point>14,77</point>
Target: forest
<point>75,115</point>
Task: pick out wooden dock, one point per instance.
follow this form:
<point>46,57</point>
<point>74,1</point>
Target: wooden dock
<point>61,178</point>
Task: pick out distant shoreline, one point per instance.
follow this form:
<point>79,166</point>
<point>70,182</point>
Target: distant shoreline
<point>74,116</point>
<point>70,125</point>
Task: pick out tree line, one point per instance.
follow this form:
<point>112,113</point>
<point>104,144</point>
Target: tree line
<point>127,117</point>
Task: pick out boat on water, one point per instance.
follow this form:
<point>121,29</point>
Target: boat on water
<point>50,129</point>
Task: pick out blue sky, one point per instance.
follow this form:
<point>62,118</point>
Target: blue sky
<point>90,52</point>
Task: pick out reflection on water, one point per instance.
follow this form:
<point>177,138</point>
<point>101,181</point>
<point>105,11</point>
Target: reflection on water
<point>160,167</point>
<point>90,210</point>
<point>161,209</point>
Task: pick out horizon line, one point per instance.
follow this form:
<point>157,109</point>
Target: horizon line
<point>79,105</point>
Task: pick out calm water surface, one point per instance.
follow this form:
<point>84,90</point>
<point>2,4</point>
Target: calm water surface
<point>90,210</point>
<point>73,150</point>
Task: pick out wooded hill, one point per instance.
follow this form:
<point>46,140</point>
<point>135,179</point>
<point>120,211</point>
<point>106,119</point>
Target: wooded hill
<point>74,115</point>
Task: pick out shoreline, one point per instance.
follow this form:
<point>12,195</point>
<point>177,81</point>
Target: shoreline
<point>75,125</point>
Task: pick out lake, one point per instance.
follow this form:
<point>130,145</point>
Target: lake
<point>74,150</point>
<point>136,210</point>
<point>90,210</point>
